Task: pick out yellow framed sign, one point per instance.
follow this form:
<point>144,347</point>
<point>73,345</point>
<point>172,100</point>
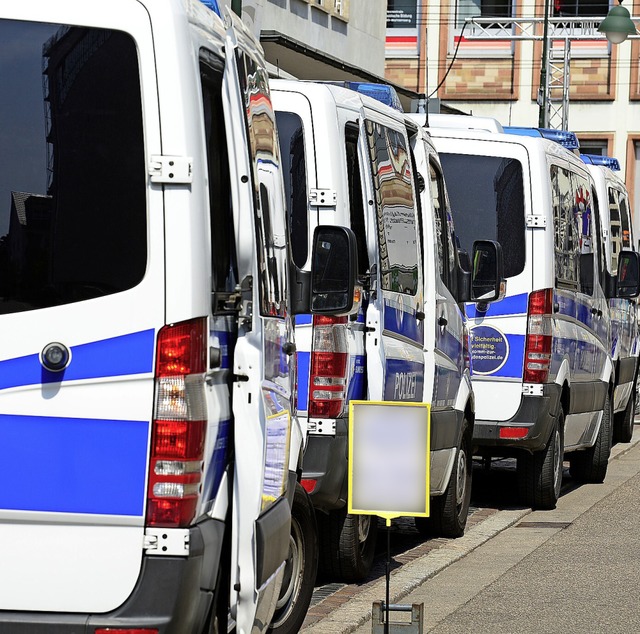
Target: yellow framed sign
<point>389,458</point>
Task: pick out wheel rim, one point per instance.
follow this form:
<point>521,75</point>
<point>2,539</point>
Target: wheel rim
<point>293,573</point>
<point>461,481</point>
<point>364,528</point>
<point>557,463</point>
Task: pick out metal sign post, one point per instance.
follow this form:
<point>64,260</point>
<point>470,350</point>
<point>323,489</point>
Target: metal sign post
<point>389,469</point>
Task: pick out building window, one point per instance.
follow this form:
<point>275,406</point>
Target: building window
<point>325,5</point>
<point>580,8</point>
<point>341,9</point>
<point>482,9</point>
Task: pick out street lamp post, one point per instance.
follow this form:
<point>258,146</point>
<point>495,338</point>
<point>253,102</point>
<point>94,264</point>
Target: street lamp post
<point>543,94</point>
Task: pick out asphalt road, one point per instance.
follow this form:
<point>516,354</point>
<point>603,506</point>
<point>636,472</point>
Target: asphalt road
<point>574,569</point>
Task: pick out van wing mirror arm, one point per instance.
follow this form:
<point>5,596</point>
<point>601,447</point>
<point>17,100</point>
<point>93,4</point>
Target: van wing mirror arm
<point>300,291</point>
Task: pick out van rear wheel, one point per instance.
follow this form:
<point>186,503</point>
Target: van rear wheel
<point>449,511</point>
<point>540,474</point>
<point>348,544</point>
<point>300,569</point>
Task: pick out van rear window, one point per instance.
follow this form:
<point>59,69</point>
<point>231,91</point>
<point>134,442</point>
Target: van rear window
<point>72,171</point>
<point>487,201</point>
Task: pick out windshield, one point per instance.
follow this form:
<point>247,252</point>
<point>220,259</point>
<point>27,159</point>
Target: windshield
<point>487,202</point>
<point>72,173</point>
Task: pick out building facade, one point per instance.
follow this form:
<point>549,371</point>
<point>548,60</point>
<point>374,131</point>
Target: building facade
<point>431,49</point>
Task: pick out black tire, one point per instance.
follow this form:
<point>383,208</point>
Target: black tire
<point>449,511</point>
<point>623,421</point>
<point>591,464</point>
<point>347,545</point>
<point>301,567</point>
<point>540,474</point>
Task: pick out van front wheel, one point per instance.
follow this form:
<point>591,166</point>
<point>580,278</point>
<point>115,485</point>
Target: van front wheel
<point>623,421</point>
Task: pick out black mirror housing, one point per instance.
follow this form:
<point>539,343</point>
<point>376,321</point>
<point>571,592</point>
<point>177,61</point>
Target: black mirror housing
<point>333,271</point>
<point>627,285</point>
<point>487,271</point>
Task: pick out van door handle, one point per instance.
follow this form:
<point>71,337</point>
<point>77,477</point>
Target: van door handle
<point>215,358</point>
<point>419,315</point>
<point>289,348</point>
<point>442,321</point>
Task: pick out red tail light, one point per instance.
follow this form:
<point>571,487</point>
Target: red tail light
<point>179,425</point>
<point>329,365</point>
<point>537,356</point>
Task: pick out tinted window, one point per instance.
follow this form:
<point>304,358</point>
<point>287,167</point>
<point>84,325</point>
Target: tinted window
<point>294,171</point>
<point>224,266</point>
<point>444,226</point>
<point>271,236</point>
<point>72,171</point>
<point>487,202</point>
<point>394,207</point>
<point>356,207</point>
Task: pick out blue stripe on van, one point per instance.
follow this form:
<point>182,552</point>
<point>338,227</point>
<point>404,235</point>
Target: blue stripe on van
<point>73,465</point>
<point>118,356</point>
<point>303,320</point>
<point>304,359</point>
<point>514,305</point>
<point>403,321</point>
<point>218,463</point>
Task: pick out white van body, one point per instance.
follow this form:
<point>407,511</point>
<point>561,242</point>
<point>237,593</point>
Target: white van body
<point>144,322</point>
<point>407,341</point>
<point>536,404</point>
<point>618,234</point>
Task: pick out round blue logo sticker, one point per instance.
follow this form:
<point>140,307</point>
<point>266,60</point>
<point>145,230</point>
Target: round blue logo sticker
<point>489,349</point>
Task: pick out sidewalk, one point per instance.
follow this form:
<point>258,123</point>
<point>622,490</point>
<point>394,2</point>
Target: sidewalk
<point>349,609</point>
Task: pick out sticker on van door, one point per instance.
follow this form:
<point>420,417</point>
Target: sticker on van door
<point>493,352</point>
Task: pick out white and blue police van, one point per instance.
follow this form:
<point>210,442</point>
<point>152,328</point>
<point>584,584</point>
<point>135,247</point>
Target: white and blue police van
<point>350,160</point>
<point>542,371</point>
<point>146,366</point>
<point>615,212</point>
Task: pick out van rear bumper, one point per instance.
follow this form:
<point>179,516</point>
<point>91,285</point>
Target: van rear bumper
<point>538,413</point>
<point>173,594</point>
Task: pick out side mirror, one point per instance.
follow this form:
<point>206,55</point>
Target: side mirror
<point>628,277</point>
<point>487,272</point>
<point>333,271</point>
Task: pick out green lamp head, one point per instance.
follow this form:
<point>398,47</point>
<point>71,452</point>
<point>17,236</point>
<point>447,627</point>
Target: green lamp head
<point>617,26</point>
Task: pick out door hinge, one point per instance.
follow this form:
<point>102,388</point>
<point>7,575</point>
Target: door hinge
<point>164,541</point>
<point>177,170</point>
<point>534,220</point>
<point>323,197</point>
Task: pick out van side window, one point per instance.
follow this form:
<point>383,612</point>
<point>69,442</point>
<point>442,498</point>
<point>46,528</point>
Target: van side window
<point>356,205</point>
<point>224,267</point>
<point>572,220</point>
<point>394,208</point>
<point>583,213</point>
<point>73,208</point>
<point>625,220</point>
<point>599,239</point>
<point>444,226</point>
<point>615,224</point>
<point>487,201</point>
<point>260,128</point>
<point>294,172</point>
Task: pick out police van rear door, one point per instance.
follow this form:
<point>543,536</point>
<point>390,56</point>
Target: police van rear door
<point>81,298</point>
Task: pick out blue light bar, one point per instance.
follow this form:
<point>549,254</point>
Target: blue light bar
<point>382,92</point>
<point>213,5</point>
<point>563,137</point>
<point>596,159</point>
